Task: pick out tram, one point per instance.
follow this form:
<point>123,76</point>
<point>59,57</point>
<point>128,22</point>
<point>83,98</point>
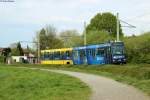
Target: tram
<point>57,56</point>
<point>105,53</point>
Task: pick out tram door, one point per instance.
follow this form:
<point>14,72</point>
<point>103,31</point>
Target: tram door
<point>91,56</point>
<point>108,55</point>
<point>100,56</point>
<point>76,57</point>
<point>83,58</point>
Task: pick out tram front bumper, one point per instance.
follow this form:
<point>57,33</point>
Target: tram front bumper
<point>119,60</point>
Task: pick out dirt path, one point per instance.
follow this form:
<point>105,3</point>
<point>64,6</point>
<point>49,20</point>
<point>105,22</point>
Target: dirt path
<point>105,88</point>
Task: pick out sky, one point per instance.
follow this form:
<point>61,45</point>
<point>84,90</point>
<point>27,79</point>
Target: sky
<point>21,19</point>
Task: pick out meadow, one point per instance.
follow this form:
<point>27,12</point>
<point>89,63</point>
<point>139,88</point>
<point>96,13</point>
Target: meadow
<point>137,75</point>
<point>26,84</point>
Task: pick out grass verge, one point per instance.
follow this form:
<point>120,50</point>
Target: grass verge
<point>135,75</point>
<point>26,84</point>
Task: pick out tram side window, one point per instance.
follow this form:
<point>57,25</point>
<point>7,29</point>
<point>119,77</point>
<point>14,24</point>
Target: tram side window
<point>100,52</point>
<point>42,56</point>
<point>89,52</point>
<point>62,56</point>
<point>75,54</point>
<point>93,53</point>
<point>56,55</point>
<point>82,53</point>
<point>51,56</point>
<point>46,55</point>
<point>68,54</point>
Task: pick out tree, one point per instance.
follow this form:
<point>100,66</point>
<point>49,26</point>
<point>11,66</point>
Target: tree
<point>104,22</point>
<point>48,38</point>
<point>28,48</point>
<point>5,54</point>
<point>43,38</point>
<point>98,37</point>
<point>69,33</point>
<point>70,38</point>
<point>17,49</point>
<point>138,48</point>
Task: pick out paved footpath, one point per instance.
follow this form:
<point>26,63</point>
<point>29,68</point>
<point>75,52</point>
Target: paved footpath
<point>104,88</point>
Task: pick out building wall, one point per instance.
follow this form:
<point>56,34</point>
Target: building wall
<point>18,58</point>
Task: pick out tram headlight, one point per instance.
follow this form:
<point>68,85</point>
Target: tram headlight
<point>114,57</point>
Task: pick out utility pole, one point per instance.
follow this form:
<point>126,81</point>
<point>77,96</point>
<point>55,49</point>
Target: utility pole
<point>85,58</point>
<point>84,33</point>
<point>117,27</point>
<point>38,43</point>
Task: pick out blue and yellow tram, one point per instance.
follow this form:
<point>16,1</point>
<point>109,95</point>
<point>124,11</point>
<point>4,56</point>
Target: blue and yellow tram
<point>93,54</point>
<point>57,56</point>
<point>106,53</point>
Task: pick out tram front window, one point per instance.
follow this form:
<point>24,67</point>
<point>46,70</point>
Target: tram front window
<point>117,50</point>
<point>118,53</point>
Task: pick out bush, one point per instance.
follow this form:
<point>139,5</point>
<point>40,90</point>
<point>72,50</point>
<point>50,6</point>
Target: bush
<point>138,48</point>
<point>1,59</point>
<point>97,37</point>
<point>135,72</point>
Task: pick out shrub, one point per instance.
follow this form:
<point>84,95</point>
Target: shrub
<point>138,48</point>
<point>1,59</point>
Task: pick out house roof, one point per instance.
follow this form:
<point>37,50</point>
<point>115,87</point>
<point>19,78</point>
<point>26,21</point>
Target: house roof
<point>1,49</point>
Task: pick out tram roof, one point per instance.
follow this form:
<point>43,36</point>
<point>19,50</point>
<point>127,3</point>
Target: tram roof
<point>93,46</point>
<point>55,50</point>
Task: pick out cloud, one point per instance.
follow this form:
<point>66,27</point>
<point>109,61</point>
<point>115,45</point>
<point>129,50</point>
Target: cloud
<point>68,12</point>
<point>76,1</point>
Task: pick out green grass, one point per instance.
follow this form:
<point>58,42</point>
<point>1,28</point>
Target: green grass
<point>135,75</point>
<point>26,84</point>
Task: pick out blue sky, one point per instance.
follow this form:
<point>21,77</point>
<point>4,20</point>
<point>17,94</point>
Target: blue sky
<point>20,20</point>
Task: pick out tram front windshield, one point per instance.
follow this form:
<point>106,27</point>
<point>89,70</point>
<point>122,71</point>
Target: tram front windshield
<point>117,50</point>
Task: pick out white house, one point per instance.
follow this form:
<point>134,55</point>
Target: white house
<point>19,58</point>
